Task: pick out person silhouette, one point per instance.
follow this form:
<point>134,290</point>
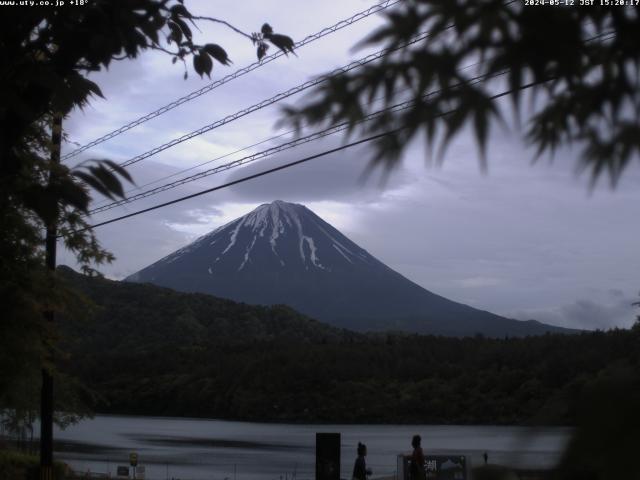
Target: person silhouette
<point>360,470</point>
<point>416,467</point>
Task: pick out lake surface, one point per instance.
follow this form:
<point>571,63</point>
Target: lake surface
<point>222,450</point>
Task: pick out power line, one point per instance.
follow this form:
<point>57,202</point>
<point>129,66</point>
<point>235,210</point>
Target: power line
<point>318,155</point>
<point>185,170</point>
<point>236,163</point>
<point>270,101</point>
<point>235,182</point>
<point>276,169</point>
<point>282,147</point>
<point>279,148</point>
<point>238,73</point>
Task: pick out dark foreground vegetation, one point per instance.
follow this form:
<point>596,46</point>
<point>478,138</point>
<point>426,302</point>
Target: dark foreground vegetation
<point>152,351</point>
<point>16,465</point>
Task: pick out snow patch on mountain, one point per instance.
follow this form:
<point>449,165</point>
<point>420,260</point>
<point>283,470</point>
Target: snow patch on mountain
<point>268,226</point>
<point>312,247</point>
<point>344,251</point>
<point>339,250</point>
<point>234,235</point>
<point>247,252</point>
<point>271,220</point>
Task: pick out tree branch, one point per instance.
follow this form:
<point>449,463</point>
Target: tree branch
<point>216,20</point>
<point>165,50</point>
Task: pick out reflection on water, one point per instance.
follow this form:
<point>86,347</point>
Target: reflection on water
<point>221,450</point>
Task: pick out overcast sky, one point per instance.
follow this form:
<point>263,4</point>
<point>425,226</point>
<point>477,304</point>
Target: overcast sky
<point>524,241</point>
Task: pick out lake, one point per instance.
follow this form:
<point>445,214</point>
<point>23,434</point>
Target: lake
<point>223,450</point>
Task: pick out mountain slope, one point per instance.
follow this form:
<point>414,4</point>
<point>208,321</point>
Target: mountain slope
<point>128,317</point>
<point>283,253</point>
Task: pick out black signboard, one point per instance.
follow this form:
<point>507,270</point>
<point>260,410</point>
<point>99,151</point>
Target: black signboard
<point>123,471</point>
<point>327,456</point>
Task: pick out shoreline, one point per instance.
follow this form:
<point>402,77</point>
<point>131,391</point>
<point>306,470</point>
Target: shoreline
<point>328,423</point>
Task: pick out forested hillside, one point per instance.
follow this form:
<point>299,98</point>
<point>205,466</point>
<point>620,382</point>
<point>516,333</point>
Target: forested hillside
<point>152,351</point>
<point>136,318</point>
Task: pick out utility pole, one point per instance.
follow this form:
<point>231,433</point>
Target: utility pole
<point>46,395</point>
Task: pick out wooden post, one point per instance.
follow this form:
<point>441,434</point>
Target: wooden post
<point>46,394</point>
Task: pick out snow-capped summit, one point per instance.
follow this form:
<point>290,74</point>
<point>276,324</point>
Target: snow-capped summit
<point>274,235</point>
<point>283,253</point>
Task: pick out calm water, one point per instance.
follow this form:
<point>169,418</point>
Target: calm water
<point>218,450</point>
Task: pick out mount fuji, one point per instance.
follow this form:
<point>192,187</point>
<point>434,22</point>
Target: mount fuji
<point>283,253</point>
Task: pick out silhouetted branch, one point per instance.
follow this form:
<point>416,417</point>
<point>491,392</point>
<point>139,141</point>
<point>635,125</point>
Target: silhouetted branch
<point>216,20</point>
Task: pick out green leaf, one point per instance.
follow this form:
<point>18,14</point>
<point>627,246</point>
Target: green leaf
<point>283,42</point>
<point>481,128</point>
<point>108,179</point>
<point>262,50</point>
<point>217,52</point>
<point>93,87</point>
<point>453,122</point>
<point>93,182</point>
<point>176,32</point>
<point>180,10</point>
<point>184,27</point>
<point>150,30</point>
<point>207,63</point>
<point>71,193</point>
<point>118,169</point>
<point>198,64</point>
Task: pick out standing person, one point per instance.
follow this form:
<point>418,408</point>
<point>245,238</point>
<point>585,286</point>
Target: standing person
<point>360,470</point>
<point>416,468</point>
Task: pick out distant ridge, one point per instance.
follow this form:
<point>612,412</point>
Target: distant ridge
<point>283,253</point>
<point>152,317</point>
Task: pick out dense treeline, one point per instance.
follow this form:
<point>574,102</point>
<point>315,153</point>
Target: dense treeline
<point>427,380</point>
<point>187,358</point>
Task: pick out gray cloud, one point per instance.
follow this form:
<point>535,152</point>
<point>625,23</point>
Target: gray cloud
<point>587,314</point>
<point>616,293</point>
<point>339,176</point>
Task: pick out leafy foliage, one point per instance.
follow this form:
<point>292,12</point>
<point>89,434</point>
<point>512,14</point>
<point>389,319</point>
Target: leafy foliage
<point>604,443</point>
<point>46,55</point>
<point>283,42</point>
<point>580,65</point>
<point>20,466</point>
<point>100,178</point>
